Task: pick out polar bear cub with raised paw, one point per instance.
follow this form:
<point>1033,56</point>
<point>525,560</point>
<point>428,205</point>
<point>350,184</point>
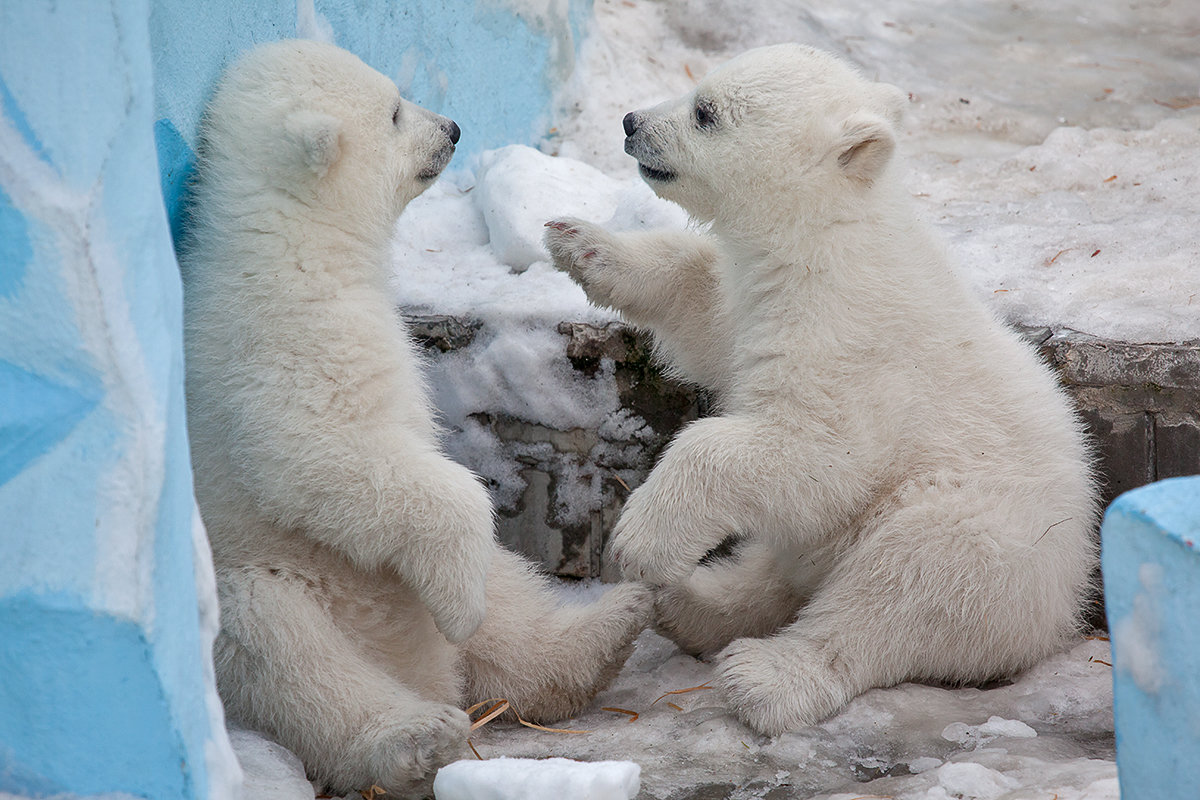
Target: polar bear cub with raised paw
<point>907,494</point>
<point>363,596</point>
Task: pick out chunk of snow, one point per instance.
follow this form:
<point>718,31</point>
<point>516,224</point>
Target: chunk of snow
<point>271,771</point>
<point>519,189</point>
<point>973,781</point>
<point>1012,728</point>
<point>537,779</point>
<point>976,735</point>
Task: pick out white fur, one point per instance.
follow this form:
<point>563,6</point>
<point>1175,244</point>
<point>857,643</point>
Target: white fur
<point>910,492</point>
<point>350,552</point>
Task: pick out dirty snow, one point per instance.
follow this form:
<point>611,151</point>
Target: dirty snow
<point>1048,732</point>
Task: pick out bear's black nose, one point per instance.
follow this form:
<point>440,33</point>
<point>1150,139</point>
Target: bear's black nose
<point>631,123</point>
<point>453,132</point>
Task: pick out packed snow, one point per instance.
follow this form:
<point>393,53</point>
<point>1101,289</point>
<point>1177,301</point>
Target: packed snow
<point>1052,145</point>
<point>1049,731</point>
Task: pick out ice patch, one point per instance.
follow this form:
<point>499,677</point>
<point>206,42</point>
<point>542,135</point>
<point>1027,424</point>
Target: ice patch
<point>923,764</point>
<point>537,779</point>
<point>977,735</point>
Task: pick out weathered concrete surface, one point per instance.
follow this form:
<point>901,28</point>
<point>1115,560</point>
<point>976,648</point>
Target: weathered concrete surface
<point>1141,403</point>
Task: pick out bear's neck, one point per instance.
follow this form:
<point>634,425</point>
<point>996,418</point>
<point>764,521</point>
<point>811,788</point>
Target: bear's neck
<point>817,290</point>
<point>283,233</point>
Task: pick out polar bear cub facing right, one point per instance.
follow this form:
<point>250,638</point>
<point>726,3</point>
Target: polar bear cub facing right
<point>908,491</point>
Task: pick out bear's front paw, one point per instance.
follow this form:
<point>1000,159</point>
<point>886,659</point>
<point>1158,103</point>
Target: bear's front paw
<point>458,603</point>
<point>587,253</point>
<point>458,618</point>
<point>406,751</point>
<point>449,565</point>
<point>645,551</point>
<point>777,685</point>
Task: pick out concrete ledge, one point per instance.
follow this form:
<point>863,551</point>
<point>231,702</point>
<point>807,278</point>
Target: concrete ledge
<point>1152,590</point>
<point>1141,402</point>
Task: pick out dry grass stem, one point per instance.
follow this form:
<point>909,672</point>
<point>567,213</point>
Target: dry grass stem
<point>699,688</point>
<point>500,706</point>
<point>633,715</point>
<point>549,730</point>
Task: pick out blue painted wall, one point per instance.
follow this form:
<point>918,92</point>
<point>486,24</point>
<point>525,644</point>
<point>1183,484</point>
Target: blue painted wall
<point>1151,561</point>
<point>490,65</point>
<point>102,649</point>
<point>106,603</point>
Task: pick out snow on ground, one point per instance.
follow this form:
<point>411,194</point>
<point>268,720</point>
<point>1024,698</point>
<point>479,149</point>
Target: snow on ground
<point>1049,732</point>
<point>1035,137</point>
<point>1053,145</point>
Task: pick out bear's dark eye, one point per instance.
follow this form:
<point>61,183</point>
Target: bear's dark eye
<point>396,115</point>
<point>706,114</point>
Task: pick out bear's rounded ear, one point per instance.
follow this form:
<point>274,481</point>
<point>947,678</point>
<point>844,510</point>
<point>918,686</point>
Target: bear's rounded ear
<point>894,100</point>
<point>315,139</point>
<point>864,147</point>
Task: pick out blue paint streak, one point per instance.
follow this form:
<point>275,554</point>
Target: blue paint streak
<point>13,111</point>
<point>15,249</point>
<point>176,162</point>
<point>81,705</point>
<point>35,415</point>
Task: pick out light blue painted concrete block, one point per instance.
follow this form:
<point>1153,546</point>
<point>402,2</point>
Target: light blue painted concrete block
<point>1152,591</point>
<point>105,666</point>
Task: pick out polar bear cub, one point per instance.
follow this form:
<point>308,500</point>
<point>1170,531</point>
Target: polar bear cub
<point>905,490</point>
<point>363,595</point>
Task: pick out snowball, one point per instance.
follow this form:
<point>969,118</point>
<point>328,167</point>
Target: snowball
<point>532,779</point>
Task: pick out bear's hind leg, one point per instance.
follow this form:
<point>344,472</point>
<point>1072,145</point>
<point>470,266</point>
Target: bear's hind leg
<point>838,647</point>
<point>729,599</point>
<point>546,657</point>
<point>284,667</point>
<point>955,582</point>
